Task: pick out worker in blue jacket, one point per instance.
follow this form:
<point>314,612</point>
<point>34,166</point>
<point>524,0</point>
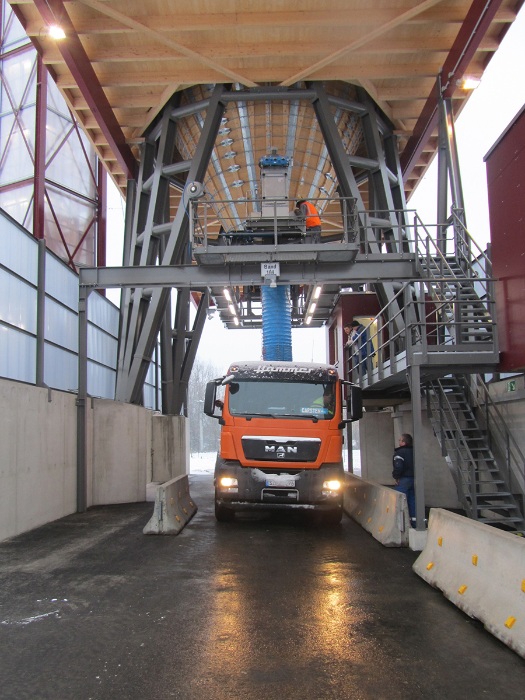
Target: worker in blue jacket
<point>403,472</point>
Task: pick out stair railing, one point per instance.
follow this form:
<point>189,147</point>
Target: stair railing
<point>456,448</point>
<point>501,439</point>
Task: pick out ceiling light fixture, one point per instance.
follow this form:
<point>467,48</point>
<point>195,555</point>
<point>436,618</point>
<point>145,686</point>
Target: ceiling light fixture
<point>55,31</point>
<point>468,82</point>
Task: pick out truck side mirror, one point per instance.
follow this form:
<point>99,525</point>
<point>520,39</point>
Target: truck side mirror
<point>209,399</point>
<point>354,403</point>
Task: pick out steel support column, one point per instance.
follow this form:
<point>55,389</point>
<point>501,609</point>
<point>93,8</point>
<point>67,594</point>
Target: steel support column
<point>82,398</point>
<point>419,453</point>
<point>41,312</point>
<point>143,316</point>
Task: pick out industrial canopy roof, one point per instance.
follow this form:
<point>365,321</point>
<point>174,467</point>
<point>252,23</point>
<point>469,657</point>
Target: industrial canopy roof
<point>122,60</point>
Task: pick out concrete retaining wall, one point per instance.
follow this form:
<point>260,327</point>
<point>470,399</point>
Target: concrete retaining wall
<point>481,570</point>
<point>380,510</point>
<point>37,456</point>
<point>127,446</point>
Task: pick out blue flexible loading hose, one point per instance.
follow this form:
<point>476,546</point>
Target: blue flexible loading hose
<point>276,323</point>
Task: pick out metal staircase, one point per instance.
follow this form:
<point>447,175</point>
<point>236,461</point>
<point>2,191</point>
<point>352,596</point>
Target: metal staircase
<point>449,332</point>
<point>484,488</point>
<point>459,284</point>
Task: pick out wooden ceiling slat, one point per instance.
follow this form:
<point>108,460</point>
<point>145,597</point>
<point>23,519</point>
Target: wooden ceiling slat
<point>141,53</point>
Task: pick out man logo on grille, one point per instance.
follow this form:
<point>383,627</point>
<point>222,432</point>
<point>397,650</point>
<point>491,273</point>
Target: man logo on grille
<point>281,451</point>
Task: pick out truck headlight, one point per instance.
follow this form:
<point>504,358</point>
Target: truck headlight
<point>332,485</point>
<point>227,482</point>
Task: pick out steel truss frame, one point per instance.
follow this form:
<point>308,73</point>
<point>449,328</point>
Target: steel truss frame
<point>153,239</point>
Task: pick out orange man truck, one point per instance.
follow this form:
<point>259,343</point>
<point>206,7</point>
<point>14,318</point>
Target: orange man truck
<point>281,438</point>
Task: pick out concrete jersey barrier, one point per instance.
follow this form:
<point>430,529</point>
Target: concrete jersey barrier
<point>380,510</point>
<point>173,508</point>
<point>481,570</point>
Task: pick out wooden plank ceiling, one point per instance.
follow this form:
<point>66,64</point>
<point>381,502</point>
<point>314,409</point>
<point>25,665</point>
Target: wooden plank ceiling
<point>122,60</point>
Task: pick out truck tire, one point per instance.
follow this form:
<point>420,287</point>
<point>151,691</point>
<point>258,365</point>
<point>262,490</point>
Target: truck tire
<point>222,514</point>
<point>333,517</point>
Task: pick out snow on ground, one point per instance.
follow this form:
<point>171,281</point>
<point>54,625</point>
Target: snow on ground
<point>204,462</point>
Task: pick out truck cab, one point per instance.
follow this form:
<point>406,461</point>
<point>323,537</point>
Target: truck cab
<point>281,437</point>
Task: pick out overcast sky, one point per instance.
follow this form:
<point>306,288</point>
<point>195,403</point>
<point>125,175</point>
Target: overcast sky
<point>490,109</point>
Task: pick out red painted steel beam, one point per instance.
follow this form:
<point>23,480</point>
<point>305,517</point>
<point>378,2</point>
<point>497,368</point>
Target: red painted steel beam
<point>470,36</point>
<point>102,189</point>
<point>76,59</point>
<point>39,187</point>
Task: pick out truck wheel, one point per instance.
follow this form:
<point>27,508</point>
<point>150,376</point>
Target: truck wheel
<point>222,514</point>
<point>333,517</point>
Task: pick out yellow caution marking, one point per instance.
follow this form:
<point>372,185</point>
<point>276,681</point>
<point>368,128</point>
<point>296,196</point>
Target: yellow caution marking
<point>381,528</point>
<point>509,622</point>
<point>523,585</point>
<point>369,519</point>
<point>462,589</point>
<point>430,565</point>
<point>475,559</point>
<point>177,518</point>
<point>440,541</point>
<point>185,511</point>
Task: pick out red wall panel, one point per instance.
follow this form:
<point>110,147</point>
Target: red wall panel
<point>506,193</point>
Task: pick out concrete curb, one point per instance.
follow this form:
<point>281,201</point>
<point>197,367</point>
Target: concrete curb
<point>380,510</point>
<point>173,508</point>
<point>481,570</point>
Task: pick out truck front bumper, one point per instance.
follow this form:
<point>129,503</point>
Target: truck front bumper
<point>277,489</point>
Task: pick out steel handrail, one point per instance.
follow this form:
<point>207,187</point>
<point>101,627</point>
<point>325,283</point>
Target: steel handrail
<point>497,428</point>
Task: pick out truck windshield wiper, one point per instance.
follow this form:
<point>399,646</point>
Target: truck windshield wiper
<point>249,416</point>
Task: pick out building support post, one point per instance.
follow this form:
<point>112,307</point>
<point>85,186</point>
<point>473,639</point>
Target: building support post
<point>417,432</point>
<point>82,397</point>
<point>41,312</point>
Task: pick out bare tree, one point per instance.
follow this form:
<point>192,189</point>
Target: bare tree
<point>204,431</point>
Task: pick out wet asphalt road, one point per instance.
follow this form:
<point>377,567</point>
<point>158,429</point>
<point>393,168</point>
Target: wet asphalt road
<point>264,608</point>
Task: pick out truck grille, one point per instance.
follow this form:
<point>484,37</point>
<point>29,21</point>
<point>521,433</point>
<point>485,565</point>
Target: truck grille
<point>277,449</point>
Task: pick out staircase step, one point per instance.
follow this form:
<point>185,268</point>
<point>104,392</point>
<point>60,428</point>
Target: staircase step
<point>492,521</point>
<point>496,506</point>
<point>495,494</point>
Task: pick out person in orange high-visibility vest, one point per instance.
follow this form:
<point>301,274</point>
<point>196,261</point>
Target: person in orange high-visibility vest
<point>306,209</point>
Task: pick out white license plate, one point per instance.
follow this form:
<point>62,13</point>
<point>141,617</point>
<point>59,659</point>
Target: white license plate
<point>281,483</point>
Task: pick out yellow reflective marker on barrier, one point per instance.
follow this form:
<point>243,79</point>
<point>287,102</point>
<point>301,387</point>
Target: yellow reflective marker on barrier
<point>475,559</point>
<point>509,622</point>
<point>462,589</point>
<point>430,565</point>
<point>523,585</point>
<point>440,541</point>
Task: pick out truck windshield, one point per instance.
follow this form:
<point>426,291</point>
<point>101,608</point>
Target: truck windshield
<point>282,399</point>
